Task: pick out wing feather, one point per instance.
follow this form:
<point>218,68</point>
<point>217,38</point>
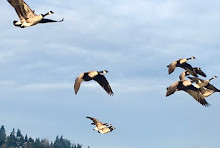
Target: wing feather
<point>196,94</point>
<point>96,122</point>
<point>212,87</point>
<point>22,9</point>
<point>182,76</point>
<point>172,88</point>
<point>200,72</point>
<point>104,83</point>
<point>172,67</point>
<point>49,21</point>
<point>78,82</point>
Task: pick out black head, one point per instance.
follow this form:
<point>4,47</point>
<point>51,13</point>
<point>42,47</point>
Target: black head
<point>51,12</point>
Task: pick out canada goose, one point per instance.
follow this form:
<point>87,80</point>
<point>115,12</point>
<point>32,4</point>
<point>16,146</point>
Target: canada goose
<point>181,63</point>
<point>187,86</point>
<point>204,83</point>
<point>93,75</point>
<point>196,71</point>
<point>102,128</point>
<point>27,16</point>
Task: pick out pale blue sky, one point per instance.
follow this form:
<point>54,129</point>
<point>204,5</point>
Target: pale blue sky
<point>134,41</point>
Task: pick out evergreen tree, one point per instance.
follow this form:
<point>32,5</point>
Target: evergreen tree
<point>18,133</point>
<point>30,140</point>
<point>60,142</point>
<point>45,143</point>
<point>11,140</point>
<point>37,143</point>
<point>26,138</point>
<point>79,146</point>
<point>2,135</point>
<point>18,141</point>
<point>19,138</point>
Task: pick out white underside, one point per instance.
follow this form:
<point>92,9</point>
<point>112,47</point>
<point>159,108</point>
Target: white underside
<point>26,24</point>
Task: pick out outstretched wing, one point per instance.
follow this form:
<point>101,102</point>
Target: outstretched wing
<point>189,68</point>
<point>172,88</point>
<point>212,87</point>
<point>186,66</point>
<point>95,121</point>
<point>104,83</point>
<point>172,67</point>
<point>22,9</point>
<point>49,21</point>
<point>199,71</point>
<point>78,82</point>
<point>183,75</point>
<point>196,79</point>
<point>196,94</point>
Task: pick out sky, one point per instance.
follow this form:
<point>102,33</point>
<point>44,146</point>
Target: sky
<point>134,41</point>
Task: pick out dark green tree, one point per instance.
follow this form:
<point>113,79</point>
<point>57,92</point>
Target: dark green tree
<point>60,142</point>
<point>19,141</point>
<point>19,138</point>
<point>2,135</point>
<point>37,143</point>
<point>26,138</point>
<point>30,140</point>
<point>79,146</point>
<point>11,140</point>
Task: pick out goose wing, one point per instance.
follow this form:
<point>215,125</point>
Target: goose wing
<point>96,122</point>
<point>50,21</point>
<point>78,82</point>
<point>104,83</point>
<point>196,94</point>
<point>195,79</point>
<point>199,71</point>
<point>172,67</point>
<point>22,9</point>
<point>172,88</point>
<point>183,75</point>
<point>185,66</point>
<point>212,87</point>
<point>189,68</point>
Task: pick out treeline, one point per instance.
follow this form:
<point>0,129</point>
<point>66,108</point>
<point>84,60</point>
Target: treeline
<point>17,140</point>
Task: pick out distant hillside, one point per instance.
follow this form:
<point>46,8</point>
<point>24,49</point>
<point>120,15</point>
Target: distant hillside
<point>17,140</point>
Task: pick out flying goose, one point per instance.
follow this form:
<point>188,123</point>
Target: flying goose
<point>102,128</point>
<point>204,83</point>
<point>182,63</point>
<point>196,71</point>
<point>94,75</point>
<point>27,16</point>
<point>187,86</point>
